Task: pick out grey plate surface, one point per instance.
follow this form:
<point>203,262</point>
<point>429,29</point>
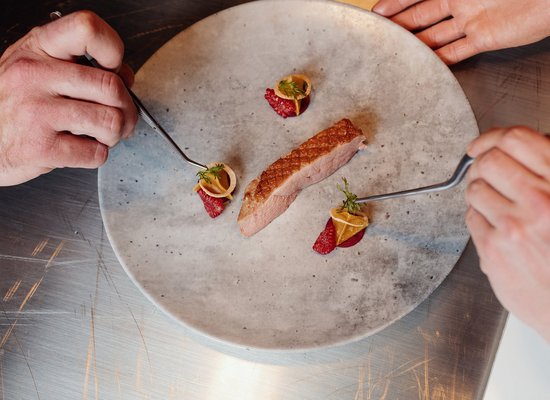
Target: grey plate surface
<point>272,291</point>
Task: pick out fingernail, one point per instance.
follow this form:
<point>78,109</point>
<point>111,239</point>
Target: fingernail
<point>381,9</point>
<point>101,153</point>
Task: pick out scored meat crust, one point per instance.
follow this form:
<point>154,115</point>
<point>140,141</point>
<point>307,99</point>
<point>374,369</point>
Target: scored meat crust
<point>270,194</point>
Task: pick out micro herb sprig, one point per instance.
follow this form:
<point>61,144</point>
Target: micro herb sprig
<point>350,204</point>
<point>212,171</point>
<point>291,89</point>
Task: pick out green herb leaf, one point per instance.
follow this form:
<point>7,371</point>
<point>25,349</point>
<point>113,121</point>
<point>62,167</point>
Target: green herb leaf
<point>350,204</point>
<point>213,171</point>
<point>291,89</point>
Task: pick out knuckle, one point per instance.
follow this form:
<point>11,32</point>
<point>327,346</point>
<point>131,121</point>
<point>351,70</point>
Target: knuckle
<point>41,148</point>
<point>471,192</point>
<point>30,106</point>
<point>449,54</point>
<point>24,70</point>
<point>539,199</point>
<point>435,37</point>
<point>515,135</point>
<point>113,121</point>
<point>417,16</point>
<point>453,54</point>
<point>111,85</point>
<point>476,187</point>
<point>513,230</point>
<point>428,37</point>
<point>32,40</point>
<point>481,38</point>
<point>481,43</point>
<point>488,161</point>
<point>86,23</point>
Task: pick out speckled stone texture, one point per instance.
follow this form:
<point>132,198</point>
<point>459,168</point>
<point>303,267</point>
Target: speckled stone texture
<point>272,290</point>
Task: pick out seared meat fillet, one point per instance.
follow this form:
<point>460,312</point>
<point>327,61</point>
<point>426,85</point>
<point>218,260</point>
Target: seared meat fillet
<point>270,194</point>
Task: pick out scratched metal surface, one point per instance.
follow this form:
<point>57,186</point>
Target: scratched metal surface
<point>73,326</point>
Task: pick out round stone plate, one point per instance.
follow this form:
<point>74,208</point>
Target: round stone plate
<point>272,291</point>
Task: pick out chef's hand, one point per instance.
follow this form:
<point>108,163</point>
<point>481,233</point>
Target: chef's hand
<point>458,29</point>
<point>54,112</point>
<point>509,219</point>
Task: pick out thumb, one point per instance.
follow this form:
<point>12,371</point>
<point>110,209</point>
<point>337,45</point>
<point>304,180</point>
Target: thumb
<point>79,33</point>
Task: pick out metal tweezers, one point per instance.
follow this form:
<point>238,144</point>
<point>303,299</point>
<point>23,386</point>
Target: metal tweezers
<point>142,111</point>
<point>454,180</point>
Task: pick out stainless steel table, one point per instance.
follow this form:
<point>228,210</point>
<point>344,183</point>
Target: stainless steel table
<point>72,324</point>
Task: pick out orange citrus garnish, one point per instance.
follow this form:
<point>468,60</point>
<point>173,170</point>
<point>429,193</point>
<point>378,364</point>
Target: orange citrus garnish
<point>218,181</point>
<point>293,87</point>
<point>347,224</point>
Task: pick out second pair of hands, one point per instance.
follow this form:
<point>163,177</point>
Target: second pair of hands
<point>459,29</point>
<point>508,190</point>
<point>56,113</point>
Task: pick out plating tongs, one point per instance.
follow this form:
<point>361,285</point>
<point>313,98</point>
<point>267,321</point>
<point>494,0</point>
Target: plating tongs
<point>454,180</point>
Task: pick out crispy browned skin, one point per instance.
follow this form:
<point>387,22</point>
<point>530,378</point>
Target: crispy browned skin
<point>313,148</point>
<point>270,194</point>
